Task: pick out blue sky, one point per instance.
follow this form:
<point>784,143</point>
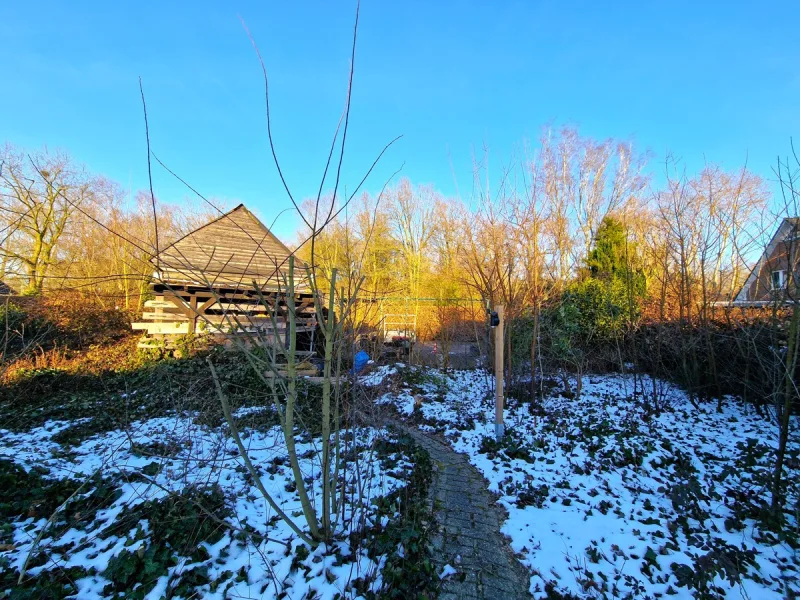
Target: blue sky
<point>707,81</point>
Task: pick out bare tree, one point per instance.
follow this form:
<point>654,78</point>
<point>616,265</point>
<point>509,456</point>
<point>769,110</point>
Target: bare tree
<point>41,194</point>
<point>583,181</point>
<point>412,217</point>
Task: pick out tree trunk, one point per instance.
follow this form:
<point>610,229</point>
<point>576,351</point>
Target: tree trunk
<point>533,351</point>
<point>291,398</point>
<point>330,327</point>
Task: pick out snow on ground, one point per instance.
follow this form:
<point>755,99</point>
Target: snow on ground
<point>151,459</point>
<point>605,501</point>
<point>245,411</point>
<point>377,375</point>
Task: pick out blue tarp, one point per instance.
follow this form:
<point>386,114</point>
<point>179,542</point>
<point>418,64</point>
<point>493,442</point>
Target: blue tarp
<point>360,361</point>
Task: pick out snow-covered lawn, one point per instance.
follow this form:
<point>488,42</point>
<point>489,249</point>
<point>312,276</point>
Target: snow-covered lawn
<point>169,501</point>
<point>606,501</point>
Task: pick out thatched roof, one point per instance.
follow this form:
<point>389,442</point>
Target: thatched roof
<point>235,249</point>
<point>6,290</point>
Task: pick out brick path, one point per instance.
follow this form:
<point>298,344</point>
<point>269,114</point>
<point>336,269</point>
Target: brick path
<point>469,537</point>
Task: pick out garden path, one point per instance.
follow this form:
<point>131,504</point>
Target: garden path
<point>469,538</point>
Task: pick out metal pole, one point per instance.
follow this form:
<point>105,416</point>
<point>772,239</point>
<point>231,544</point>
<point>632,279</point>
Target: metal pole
<point>499,426</point>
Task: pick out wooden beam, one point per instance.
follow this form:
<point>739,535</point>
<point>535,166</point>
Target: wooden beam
<point>154,316</point>
<point>159,304</point>
<point>179,302</point>
<point>193,316</point>
<point>162,328</point>
<point>207,304</point>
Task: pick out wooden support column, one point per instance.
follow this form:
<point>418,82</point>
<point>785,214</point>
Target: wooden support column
<point>193,315</point>
<point>499,426</point>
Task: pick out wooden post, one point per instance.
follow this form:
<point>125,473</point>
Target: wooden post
<point>193,315</point>
<point>499,426</point>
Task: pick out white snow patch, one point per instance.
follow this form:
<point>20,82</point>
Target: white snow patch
<point>606,499</point>
<point>447,571</point>
<point>206,456</point>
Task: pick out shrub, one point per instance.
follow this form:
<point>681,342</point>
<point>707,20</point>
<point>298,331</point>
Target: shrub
<point>81,320</point>
<point>21,331</point>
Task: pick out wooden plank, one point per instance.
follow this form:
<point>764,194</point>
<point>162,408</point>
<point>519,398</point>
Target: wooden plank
<point>256,319</point>
<point>213,323</point>
<point>247,327</point>
<point>167,310</point>
<point>152,316</point>
<point>255,310</point>
<point>249,307</point>
<point>239,288</point>
<point>213,278</point>
<point>158,304</point>
<point>161,328</point>
<point>221,242</point>
<point>245,293</point>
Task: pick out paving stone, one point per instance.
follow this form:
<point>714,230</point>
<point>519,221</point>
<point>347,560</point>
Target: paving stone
<point>470,540</point>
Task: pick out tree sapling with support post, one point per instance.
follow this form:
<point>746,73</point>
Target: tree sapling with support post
<point>496,322</point>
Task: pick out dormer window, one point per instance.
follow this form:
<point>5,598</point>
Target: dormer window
<point>779,280</point>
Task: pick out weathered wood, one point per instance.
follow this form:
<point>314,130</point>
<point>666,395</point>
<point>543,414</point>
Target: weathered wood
<point>159,304</point>
<point>234,249</point>
<point>181,328</point>
<point>151,328</point>
<point>254,308</point>
<point>227,295</point>
<point>261,321</point>
<point>178,302</point>
<point>499,426</point>
<point>225,279</point>
<point>164,316</point>
<point>193,315</point>
<point>207,304</point>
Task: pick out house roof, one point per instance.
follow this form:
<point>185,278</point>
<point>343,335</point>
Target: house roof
<point>235,249</point>
<point>788,225</point>
<point>6,290</point>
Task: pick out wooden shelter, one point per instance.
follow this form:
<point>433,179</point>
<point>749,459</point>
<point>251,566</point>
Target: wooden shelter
<point>6,290</point>
<point>224,279</point>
